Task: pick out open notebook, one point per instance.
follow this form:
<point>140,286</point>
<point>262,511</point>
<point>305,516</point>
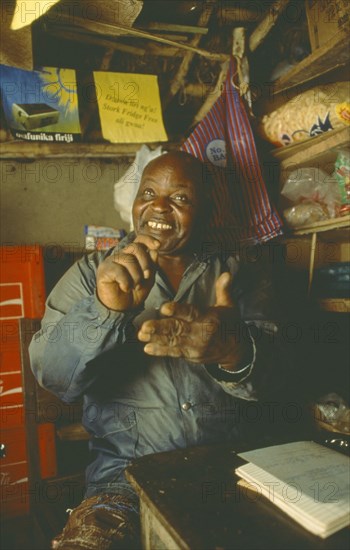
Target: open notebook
<point>304,479</point>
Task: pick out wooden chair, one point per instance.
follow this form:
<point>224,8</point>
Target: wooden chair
<point>57,447</point>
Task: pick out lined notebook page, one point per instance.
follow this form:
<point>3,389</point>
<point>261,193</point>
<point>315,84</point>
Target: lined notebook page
<point>306,480</point>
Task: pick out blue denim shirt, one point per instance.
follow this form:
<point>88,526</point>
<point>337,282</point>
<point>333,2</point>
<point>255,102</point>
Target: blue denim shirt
<point>135,404</point>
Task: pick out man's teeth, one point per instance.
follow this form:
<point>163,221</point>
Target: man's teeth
<point>157,225</point>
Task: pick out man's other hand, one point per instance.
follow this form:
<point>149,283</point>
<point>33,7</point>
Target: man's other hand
<point>216,335</point>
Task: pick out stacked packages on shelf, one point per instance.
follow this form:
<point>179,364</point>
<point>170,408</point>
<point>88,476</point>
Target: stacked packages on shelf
<point>102,238</point>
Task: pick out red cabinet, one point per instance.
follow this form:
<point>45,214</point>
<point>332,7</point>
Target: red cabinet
<point>22,294</point>
<point>22,282</point>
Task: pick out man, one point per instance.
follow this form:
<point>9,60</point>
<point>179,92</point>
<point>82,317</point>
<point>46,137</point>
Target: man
<point>163,340</point>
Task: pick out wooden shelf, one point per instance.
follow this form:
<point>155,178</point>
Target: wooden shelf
<point>338,305</point>
<point>306,150</point>
<point>327,58</point>
<point>326,225</point>
<point>27,150</point>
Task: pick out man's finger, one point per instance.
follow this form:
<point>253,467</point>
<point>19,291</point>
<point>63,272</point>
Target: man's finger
<point>168,330</point>
<point>111,273</point>
<point>163,350</point>
<point>150,242</point>
<point>130,263</point>
<point>152,246</point>
<point>154,255</point>
<point>222,290</point>
<point>143,255</point>
<point>186,312</point>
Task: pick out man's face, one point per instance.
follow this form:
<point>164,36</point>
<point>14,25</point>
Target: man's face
<point>167,204</point>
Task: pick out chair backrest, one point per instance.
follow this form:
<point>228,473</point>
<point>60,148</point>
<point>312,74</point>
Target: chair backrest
<point>57,447</point>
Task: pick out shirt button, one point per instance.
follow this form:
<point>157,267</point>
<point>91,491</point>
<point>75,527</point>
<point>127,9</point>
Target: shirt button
<point>186,406</point>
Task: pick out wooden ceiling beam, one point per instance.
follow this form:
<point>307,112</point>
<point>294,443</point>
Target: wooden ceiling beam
<point>78,35</point>
<point>118,30</point>
<point>268,22</point>
<point>154,26</point>
<point>179,78</point>
<point>212,96</point>
<point>240,15</point>
<point>87,38</point>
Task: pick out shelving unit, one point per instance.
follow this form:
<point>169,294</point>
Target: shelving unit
<point>327,58</point>
<point>37,150</point>
<point>313,230</point>
<point>320,151</point>
<point>336,305</point>
<point>305,151</point>
<point>325,225</point>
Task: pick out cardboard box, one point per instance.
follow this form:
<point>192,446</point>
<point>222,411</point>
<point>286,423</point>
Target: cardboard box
<point>326,18</point>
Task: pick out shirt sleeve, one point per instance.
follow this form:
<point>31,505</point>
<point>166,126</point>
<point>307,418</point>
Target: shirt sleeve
<point>76,329</point>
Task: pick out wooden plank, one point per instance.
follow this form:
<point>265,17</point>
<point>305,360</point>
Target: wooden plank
<point>156,534</point>
<point>212,96</point>
<point>78,35</point>
<point>308,149</point>
<point>179,78</point>
<point>163,51</point>
<point>338,305</point>
<point>198,90</point>
<point>118,30</point>
<point>27,150</point>
<point>231,13</point>
<point>330,56</point>
<point>239,52</point>
<point>155,26</point>
<point>312,261</point>
<point>182,37</point>
<point>269,21</point>
<point>85,38</point>
<point>325,225</point>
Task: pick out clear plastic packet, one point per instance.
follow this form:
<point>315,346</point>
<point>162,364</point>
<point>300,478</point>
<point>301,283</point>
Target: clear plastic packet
<point>332,413</point>
<point>342,176</point>
<point>314,194</point>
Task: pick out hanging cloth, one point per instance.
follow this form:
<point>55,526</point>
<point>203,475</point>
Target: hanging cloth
<point>224,141</point>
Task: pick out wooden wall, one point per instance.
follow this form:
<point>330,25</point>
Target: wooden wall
<point>50,201</point>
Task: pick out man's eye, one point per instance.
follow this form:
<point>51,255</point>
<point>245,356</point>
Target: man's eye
<point>181,198</point>
<point>148,193</point>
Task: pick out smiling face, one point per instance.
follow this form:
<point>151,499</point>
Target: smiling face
<point>168,202</point>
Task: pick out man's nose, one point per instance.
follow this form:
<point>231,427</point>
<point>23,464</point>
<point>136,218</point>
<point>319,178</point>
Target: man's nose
<point>161,204</point>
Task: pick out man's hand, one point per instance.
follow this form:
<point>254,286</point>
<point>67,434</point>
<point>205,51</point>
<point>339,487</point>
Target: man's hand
<point>125,278</point>
<point>212,336</point>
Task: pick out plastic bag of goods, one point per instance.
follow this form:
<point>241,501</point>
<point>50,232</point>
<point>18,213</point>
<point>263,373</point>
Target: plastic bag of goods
<point>315,196</point>
<point>309,114</point>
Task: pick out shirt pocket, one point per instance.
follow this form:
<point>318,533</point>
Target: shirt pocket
<point>216,422</point>
<point>160,429</point>
<point>115,423</point>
